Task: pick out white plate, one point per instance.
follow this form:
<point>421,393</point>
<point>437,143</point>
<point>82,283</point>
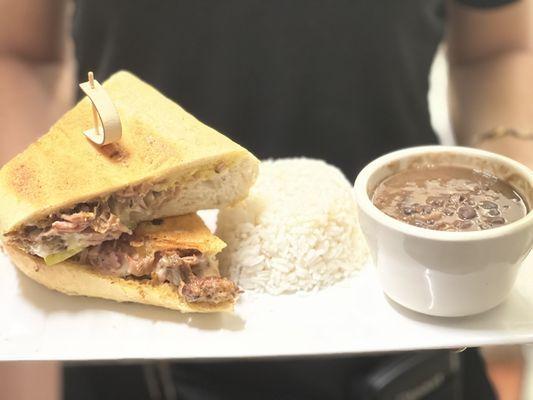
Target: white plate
<point>351,317</point>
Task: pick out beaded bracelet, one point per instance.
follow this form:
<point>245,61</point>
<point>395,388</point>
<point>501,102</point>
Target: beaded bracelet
<point>500,132</point>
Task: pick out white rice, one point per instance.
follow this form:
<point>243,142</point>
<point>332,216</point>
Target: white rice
<point>296,231</point>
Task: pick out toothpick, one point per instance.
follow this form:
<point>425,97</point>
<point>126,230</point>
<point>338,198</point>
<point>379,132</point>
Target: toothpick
<point>104,113</point>
<point>90,76</point>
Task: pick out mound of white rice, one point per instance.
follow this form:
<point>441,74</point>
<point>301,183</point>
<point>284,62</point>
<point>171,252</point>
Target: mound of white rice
<point>296,231</point>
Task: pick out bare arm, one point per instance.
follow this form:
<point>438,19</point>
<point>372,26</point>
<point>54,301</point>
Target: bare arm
<point>36,74</point>
<point>490,55</point>
<point>30,381</point>
<point>36,70</point>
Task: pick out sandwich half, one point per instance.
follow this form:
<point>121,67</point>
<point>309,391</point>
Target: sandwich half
<point>63,194</point>
<point>167,262</point>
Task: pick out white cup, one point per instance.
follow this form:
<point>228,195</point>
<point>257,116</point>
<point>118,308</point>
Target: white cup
<point>437,272</point>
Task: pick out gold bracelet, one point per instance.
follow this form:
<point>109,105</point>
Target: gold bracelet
<point>500,132</point>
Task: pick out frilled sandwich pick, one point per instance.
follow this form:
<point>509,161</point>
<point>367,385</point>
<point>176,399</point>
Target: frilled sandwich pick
<point>71,213</point>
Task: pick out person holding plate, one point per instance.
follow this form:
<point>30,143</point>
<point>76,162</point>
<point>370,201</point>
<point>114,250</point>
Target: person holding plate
<point>341,81</point>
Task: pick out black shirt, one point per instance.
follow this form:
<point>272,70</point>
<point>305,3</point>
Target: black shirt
<point>342,80</point>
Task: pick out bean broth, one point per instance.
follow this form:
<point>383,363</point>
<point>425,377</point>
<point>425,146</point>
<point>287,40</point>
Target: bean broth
<point>449,198</point>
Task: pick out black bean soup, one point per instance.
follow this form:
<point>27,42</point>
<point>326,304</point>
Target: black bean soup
<point>448,198</point>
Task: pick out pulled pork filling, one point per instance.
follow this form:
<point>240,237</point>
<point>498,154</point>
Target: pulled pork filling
<point>91,223</point>
<point>195,275</point>
<point>85,225</point>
